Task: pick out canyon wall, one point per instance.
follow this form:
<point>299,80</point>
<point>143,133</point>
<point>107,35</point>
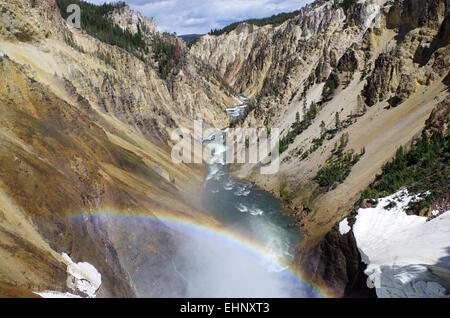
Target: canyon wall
<point>85,131</point>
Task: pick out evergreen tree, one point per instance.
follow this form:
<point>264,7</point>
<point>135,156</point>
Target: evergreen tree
<point>95,22</point>
<point>420,169</point>
<point>361,106</point>
<point>274,20</point>
<point>305,112</point>
<point>358,105</point>
<point>337,121</point>
<point>312,111</point>
<point>343,141</point>
<point>322,129</point>
<point>333,62</point>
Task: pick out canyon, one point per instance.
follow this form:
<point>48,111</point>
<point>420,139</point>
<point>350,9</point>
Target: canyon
<point>373,50</point>
<point>85,135</point>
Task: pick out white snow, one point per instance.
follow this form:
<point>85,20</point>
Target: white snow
<point>344,228</point>
<point>82,277</point>
<point>55,294</point>
<point>407,256</point>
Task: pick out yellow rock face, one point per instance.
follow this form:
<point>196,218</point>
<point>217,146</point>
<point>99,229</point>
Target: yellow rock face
<point>81,138</point>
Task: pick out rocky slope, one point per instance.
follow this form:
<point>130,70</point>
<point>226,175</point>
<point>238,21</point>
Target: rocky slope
<point>82,135</point>
<point>375,71</point>
<point>133,21</point>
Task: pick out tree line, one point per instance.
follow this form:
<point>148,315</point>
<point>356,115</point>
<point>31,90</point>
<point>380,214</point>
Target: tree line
<point>274,20</point>
<point>95,22</point>
<point>424,167</point>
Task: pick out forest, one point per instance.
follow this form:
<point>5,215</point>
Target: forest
<point>94,21</point>
<point>274,20</point>
<point>424,167</point>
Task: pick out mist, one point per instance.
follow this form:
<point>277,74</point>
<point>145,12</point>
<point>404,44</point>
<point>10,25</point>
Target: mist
<point>214,266</point>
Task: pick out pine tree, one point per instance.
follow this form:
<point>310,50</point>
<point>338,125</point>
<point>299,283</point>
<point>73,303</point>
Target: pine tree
<point>359,105</point>
<point>322,129</point>
<point>313,111</point>
<point>337,121</point>
<point>333,62</point>
<point>343,141</point>
<point>305,112</point>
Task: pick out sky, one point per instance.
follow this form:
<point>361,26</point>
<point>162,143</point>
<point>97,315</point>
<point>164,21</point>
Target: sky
<point>200,16</point>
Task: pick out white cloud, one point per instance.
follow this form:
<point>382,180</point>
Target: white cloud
<point>200,16</point>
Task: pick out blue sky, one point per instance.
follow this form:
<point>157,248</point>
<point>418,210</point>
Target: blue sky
<point>200,16</point>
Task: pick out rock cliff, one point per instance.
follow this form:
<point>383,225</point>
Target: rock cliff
<point>85,131</point>
<point>132,21</point>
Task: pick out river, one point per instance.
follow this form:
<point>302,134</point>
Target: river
<point>258,268</point>
<point>248,256</point>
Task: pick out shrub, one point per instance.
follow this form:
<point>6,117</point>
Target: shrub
<point>71,42</point>
<point>284,194</point>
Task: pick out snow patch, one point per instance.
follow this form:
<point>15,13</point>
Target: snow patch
<point>407,256</point>
<point>82,277</point>
<point>344,228</point>
<point>55,294</point>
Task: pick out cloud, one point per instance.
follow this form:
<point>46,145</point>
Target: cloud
<point>200,16</point>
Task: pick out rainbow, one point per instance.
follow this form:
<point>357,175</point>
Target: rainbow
<point>183,223</point>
